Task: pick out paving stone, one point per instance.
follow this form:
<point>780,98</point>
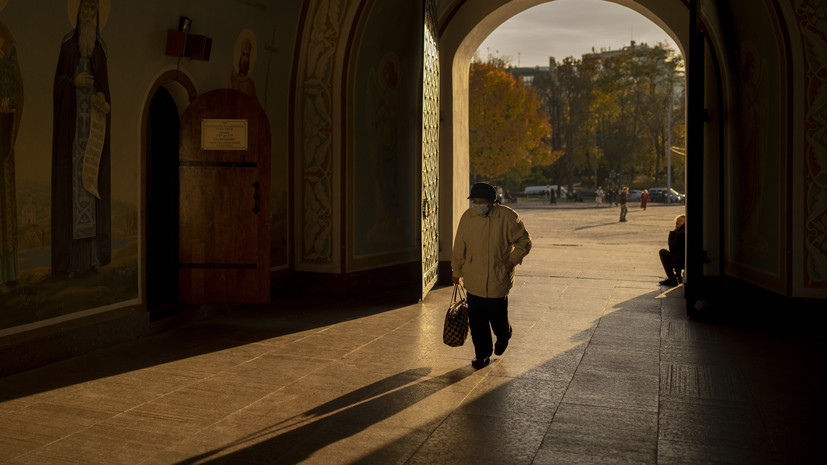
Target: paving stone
<point>621,359</point>
<point>377,445</point>
<point>628,391</point>
<point>503,397</point>
<point>717,426</point>
<point>479,439</point>
<point>596,434</point>
<point>702,383</point>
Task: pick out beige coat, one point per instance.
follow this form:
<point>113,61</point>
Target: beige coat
<point>483,245</point>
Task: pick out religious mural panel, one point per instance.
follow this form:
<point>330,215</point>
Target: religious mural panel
<point>11,109</point>
<point>387,147</point>
<point>812,21</point>
<point>74,247</point>
<point>71,192</point>
<point>755,164</point>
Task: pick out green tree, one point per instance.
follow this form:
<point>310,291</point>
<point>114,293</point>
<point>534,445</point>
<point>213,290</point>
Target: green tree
<point>576,81</point>
<point>554,105</point>
<point>635,89</point>
<point>508,130</point>
<point>618,113</point>
<point>648,79</point>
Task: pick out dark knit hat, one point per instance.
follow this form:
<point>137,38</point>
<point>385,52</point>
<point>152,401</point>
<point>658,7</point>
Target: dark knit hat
<point>482,190</point>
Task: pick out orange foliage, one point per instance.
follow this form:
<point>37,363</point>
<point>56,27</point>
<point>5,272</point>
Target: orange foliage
<point>508,130</point>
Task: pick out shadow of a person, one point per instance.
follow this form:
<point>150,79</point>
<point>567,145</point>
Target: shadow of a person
<point>287,441</point>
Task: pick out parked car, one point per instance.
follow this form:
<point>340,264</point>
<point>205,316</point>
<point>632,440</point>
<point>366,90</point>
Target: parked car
<point>634,195</point>
<point>664,195</point>
<point>540,191</point>
<point>583,195</point>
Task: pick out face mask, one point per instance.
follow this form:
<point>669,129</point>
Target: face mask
<point>481,210</point>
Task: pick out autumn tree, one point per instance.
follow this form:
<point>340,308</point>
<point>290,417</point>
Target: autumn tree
<point>508,129</point>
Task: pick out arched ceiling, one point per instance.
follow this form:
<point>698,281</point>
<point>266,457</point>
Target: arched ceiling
<point>465,24</point>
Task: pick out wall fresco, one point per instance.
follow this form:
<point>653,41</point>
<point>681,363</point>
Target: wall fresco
<point>39,206</point>
<point>812,22</point>
<point>386,147</point>
<point>756,153</point>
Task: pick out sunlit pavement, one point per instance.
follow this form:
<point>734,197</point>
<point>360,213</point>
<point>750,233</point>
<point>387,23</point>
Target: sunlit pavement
<point>603,367</point>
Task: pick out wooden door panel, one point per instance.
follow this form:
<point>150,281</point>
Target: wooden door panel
<point>212,285</point>
<point>220,203</point>
<point>224,236</point>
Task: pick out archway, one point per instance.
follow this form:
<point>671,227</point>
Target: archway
<point>462,29</point>
<point>168,97</point>
<point>162,200</point>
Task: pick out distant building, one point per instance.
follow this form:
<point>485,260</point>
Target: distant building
<point>529,74</point>
<point>608,52</point>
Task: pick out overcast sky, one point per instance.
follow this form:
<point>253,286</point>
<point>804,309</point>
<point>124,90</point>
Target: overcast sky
<point>563,28</point>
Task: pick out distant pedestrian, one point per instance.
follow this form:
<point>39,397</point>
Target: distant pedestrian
<point>598,197</point>
<point>553,196</point>
<point>644,199</point>
<point>621,199</point>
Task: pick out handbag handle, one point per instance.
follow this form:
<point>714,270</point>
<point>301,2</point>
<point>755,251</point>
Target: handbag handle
<point>458,289</point>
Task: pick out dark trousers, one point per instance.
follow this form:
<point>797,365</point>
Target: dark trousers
<point>623,211</point>
<point>485,315</point>
<point>672,264</point>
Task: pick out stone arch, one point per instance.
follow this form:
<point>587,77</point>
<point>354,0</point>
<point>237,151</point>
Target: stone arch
<point>182,90</point>
<point>463,27</point>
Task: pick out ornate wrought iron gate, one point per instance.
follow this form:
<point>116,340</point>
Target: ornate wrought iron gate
<point>430,152</point>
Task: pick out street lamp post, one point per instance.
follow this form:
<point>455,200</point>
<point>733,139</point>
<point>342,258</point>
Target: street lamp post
<point>594,138</point>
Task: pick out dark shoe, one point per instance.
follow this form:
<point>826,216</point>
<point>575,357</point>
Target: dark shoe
<point>669,282</point>
<point>480,363</point>
<point>501,344</point>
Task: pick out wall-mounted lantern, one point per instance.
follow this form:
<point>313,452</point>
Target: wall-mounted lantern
<point>181,43</point>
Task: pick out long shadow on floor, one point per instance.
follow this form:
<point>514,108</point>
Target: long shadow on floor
<point>240,326</point>
<point>292,440</point>
<point>749,394</point>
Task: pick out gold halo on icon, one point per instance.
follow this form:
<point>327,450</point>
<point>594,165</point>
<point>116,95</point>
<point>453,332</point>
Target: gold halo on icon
<point>103,13</point>
<point>251,36</point>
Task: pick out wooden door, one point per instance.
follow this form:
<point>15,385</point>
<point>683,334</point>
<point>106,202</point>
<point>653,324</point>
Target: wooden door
<point>694,158</point>
<point>224,173</point>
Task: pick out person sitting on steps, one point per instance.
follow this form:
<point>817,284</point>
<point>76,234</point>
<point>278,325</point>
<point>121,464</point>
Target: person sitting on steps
<point>673,259</point>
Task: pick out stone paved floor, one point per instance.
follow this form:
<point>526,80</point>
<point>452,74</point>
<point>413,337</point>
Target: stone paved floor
<point>604,367</point>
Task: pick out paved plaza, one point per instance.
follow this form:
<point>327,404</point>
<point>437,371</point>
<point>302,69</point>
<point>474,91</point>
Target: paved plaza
<point>604,367</point>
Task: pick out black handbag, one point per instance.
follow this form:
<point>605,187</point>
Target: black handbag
<point>455,330</point>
